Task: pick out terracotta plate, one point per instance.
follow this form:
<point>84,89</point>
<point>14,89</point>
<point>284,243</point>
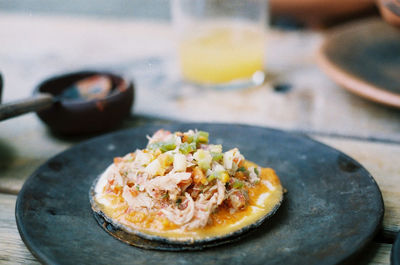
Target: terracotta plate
<point>332,209</point>
<point>364,57</point>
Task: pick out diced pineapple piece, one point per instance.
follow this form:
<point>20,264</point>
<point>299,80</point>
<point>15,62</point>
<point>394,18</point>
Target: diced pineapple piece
<point>180,162</point>
<point>143,158</point>
<point>154,168</point>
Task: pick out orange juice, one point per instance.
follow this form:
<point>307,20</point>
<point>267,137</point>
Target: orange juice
<point>222,54</point>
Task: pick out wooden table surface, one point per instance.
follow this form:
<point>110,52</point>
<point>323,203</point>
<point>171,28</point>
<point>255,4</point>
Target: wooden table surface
<point>36,47</point>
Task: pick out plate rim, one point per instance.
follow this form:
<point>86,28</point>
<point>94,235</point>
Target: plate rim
<point>395,251</point>
<point>37,253</point>
<point>346,79</point>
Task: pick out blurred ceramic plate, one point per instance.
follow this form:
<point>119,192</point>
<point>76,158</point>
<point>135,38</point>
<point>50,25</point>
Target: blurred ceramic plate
<point>364,57</point>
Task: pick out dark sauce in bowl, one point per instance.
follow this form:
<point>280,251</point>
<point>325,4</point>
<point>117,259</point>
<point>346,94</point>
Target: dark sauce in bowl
<point>86,102</point>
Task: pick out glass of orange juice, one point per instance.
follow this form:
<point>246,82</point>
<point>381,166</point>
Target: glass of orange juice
<point>221,42</point>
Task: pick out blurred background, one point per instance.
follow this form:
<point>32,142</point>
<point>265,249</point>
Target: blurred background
<point>314,12</point>
<point>138,9</point>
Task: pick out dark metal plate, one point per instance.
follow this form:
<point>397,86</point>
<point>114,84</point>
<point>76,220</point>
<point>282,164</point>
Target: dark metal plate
<point>332,209</point>
<point>395,254</point>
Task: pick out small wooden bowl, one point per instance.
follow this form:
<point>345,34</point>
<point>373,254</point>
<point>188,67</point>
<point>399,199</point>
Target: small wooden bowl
<point>80,116</point>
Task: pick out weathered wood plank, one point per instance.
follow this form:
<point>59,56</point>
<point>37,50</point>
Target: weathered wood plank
<point>374,254</point>
<point>382,160</point>
<point>24,145</point>
<point>12,249</point>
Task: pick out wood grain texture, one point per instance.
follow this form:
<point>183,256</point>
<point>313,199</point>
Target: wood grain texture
<point>374,254</point>
<point>24,146</point>
<point>382,161</point>
<point>377,254</point>
<point>12,249</point>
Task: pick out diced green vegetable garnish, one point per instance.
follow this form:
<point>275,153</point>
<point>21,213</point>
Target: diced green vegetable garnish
<point>211,177</point>
<point>242,169</point>
<point>237,184</point>
<point>203,159</point>
<point>137,187</point>
<point>189,139</point>
<point>202,137</point>
<point>163,146</point>
<point>217,156</point>
<point>204,164</point>
<point>167,146</point>
<point>187,148</point>
<point>256,171</point>
<point>178,201</point>
<point>223,176</point>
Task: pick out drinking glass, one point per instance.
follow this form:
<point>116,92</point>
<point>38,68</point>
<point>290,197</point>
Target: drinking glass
<point>221,42</point>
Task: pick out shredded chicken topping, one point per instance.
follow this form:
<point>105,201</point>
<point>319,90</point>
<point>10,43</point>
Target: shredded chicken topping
<point>181,177</point>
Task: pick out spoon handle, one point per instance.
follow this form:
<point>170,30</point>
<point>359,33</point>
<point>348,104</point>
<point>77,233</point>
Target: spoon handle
<point>19,107</point>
